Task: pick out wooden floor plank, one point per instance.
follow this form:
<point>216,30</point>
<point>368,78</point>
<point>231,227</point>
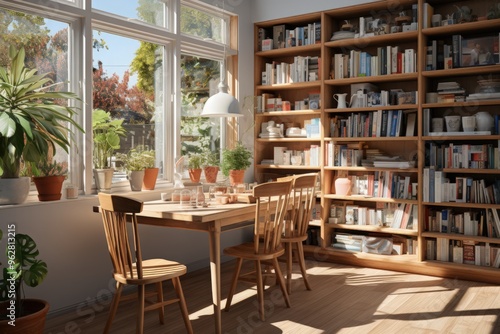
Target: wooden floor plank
<point>344,299</point>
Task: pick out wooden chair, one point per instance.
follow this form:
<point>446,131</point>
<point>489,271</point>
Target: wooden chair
<point>302,200</point>
<point>128,266</point>
<point>271,207</point>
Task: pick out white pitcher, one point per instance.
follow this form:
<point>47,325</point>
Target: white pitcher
<point>341,100</point>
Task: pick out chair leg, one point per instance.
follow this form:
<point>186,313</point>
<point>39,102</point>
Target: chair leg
<point>159,298</point>
<point>281,281</point>
<point>114,307</point>
<point>239,261</point>
<point>302,264</point>
<point>182,303</point>
<point>140,312</point>
<point>260,289</point>
<point>289,263</point>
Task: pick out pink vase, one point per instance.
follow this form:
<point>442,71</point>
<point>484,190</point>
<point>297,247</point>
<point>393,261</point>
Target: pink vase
<point>342,186</point>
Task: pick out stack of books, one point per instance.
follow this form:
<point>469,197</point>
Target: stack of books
<point>450,92</point>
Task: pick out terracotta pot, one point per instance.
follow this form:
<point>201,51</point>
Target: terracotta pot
<point>150,176</point>
<point>211,173</point>
<point>236,176</point>
<point>195,174</point>
<point>49,187</point>
<point>32,321</point>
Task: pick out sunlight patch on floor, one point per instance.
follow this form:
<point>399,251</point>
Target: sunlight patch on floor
<point>295,327</point>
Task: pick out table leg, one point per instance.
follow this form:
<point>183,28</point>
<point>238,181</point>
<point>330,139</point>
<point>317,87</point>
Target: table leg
<point>214,244</point>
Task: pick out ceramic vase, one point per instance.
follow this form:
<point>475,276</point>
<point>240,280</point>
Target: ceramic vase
<point>342,186</point>
<point>484,121</point>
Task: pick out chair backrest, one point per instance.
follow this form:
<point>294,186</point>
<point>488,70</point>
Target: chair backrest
<point>302,200</point>
<point>271,207</point>
<point>124,253</point>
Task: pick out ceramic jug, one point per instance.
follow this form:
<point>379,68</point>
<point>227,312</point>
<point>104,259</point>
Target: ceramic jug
<point>341,100</point>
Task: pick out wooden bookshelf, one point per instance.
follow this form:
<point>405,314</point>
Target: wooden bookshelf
<point>411,147</point>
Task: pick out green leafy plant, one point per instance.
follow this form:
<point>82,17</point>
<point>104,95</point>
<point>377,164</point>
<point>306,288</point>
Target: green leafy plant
<point>493,12</point>
<point>195,161</point>
<point>23,268</point>
<point>238,158</point>
<point>137,159</point>
<point>107,134</point>
<point>210,158</point>
<point>33,121</point>
<point>52,168</point>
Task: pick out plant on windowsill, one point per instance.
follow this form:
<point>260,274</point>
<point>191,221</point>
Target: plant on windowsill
<point>195,162</point>
<point>49,177</point>
<point>210,165</point>
<point>234,163</point>
<point>23,267</point>
<point>34,121</point>
<point>135,162</point>
<point>107,135</point>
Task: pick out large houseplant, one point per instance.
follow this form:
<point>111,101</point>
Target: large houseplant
<point>33,121</point>
<point>107,133</point>
<point>18,314</point>
<point>234,163</point>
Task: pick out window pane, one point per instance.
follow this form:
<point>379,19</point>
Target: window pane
<point>198,76</point>
<point>149,11</point>
<point>46,46</point>
<point>128,84</point>
<point>201,24</point>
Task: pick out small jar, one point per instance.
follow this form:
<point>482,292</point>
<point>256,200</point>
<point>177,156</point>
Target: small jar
<point>71,191</point>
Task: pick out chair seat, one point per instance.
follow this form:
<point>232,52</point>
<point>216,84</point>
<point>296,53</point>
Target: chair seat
<point>294,238</point>
<point>246,251</point>
<point>154,270</point>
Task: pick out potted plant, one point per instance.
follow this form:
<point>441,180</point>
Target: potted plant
<point>49,178</point>
<point>135,163</point>
<point>195,161</point>
<point>210,165</point>
<point>18,314</point>
<point>150,171</point>
<point>107,134</point>
<point>234,163</point>
<point>33,123</point>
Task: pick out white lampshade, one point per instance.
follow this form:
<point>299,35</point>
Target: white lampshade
<point>221,104</point>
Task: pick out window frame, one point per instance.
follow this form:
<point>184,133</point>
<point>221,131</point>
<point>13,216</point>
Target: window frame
<point>82,20</point>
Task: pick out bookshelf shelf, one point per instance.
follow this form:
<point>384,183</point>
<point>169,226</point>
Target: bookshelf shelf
<point>337,55</point>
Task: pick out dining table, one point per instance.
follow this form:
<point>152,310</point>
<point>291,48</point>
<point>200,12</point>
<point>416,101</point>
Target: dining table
<point>213,219</point>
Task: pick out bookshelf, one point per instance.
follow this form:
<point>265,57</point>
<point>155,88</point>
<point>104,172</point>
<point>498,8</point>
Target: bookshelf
<point>383,139</point>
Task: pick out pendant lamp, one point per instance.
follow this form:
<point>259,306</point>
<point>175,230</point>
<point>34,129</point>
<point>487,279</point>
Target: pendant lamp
<point>222,104</point>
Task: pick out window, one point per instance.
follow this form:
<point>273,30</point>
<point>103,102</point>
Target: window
<point>128,68</point>
<point>128,84</point>
<point>147,11</point>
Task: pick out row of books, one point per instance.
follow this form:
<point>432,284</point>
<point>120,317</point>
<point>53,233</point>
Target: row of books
<point>380,123</point>
<point>283,156</point>
<point>284,36</point>
<point>452,155</point>
<point>463,252</point>
<point>303,68</point>
<point>268,102</point>
<point>396,245</point>
<point>388,60</point>
<point>438,188</point>
<point>474,223</point>
<point>462,52</point>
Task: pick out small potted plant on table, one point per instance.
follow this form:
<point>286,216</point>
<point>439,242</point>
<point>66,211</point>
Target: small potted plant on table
<point>234,163</point>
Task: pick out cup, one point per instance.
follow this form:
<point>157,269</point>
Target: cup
<point>296,160</point>
<point>437,124</point>
<point>452,123</point>
<point>468,123</point>
<point>71,191</point>
<point>436,20</point>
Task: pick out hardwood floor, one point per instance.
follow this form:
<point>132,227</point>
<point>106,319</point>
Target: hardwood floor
<point>344,299</point>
